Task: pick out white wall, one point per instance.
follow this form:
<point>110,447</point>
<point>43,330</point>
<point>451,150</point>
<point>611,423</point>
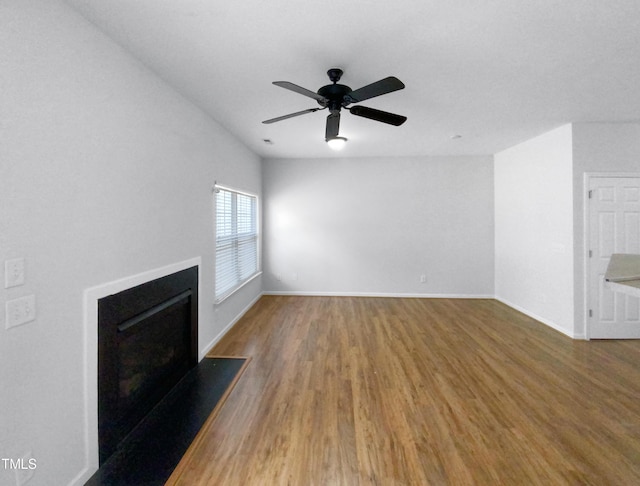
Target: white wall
<point>105,172</point>
<point>597,148</point>
<point>534,266</point>
<point>375,225</point>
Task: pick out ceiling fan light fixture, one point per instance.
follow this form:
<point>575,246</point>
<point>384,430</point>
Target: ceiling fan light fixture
<point>336,143</point>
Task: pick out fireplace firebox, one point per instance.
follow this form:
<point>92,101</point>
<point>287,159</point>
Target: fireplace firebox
<point>147,341</point>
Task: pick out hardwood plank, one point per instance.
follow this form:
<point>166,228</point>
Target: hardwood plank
<point>375,391</point>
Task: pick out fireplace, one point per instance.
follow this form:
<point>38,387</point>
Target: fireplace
<point>147,341</point>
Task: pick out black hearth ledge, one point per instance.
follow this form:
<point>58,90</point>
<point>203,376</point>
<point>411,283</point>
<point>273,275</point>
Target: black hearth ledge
<point>150,453</point>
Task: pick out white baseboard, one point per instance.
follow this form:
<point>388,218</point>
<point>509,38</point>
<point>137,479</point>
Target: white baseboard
<point>227,328</point>
<point>376,294</point>
<point>538,318</point>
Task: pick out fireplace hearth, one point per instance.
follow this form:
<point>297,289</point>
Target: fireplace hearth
<point>147,342</point>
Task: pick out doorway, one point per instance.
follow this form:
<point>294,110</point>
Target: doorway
<point>612,216</point>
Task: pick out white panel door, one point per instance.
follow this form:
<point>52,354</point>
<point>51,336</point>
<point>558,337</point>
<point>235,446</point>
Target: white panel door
<point>614,227</point>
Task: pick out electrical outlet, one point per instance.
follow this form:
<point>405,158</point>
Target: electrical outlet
<point>13,272</point>
<point>20,311</point>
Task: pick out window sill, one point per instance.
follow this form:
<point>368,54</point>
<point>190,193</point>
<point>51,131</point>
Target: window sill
<point>225,296</point>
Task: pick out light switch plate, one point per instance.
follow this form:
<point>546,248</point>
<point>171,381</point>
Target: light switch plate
<point>20,311</point>
<point>14,272</point>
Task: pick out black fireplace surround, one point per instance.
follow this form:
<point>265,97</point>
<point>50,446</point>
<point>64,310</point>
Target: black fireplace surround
<point>147,341</point>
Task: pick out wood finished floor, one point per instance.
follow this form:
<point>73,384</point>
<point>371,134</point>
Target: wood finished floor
<point>386,391</point>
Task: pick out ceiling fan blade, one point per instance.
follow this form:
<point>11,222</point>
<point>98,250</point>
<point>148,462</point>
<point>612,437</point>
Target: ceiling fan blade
<point>333,125</point>
<point>384,86</point>
<point>291,115</point>
<point>378,115</point>
<point>301,90</point>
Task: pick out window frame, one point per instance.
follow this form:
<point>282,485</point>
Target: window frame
<point>221,296</point>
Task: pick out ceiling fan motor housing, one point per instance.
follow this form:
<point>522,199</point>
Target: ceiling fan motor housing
<point>335,93</point>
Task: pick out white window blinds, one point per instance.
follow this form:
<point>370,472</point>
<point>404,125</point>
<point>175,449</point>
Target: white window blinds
<point>236,240</point>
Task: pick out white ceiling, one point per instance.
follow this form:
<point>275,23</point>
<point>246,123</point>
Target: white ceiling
<point>496,72</point>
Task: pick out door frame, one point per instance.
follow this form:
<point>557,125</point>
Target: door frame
<point>588,177</point>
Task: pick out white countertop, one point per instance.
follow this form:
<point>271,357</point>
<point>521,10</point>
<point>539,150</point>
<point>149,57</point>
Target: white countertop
<point>623,274</point>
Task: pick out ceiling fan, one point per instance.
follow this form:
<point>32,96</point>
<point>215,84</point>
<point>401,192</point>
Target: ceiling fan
<point>337,96</point>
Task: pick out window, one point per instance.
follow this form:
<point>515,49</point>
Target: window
<point>236,240</point>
